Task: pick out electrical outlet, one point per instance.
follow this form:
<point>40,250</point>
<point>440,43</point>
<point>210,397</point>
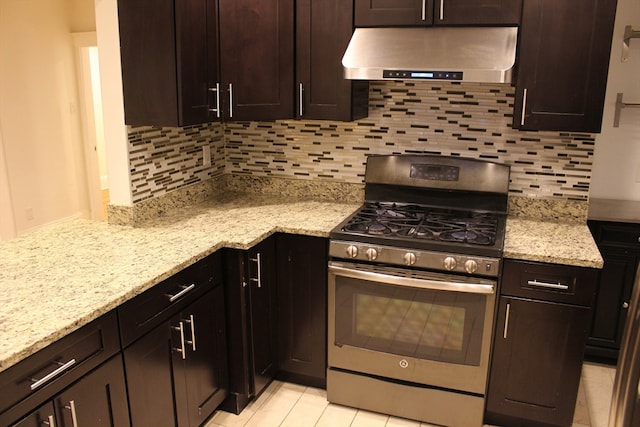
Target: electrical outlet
<point>206,155</point>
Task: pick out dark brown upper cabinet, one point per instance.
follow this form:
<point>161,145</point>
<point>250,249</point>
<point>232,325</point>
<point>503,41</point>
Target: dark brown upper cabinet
<point>323,31</point>
<point>169,60</point>
<point>256,59</point>
<point>381,13</point>
<point>562,71</point>
<point>191,62</point>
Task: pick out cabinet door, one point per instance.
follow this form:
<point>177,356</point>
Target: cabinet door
<point>323,31</point>
<point>169,60</point>
<point>98,399</point>
<point>537,361</point>
<point>256,49</point>
<point>205,374</point>
<point>148,364</point>
<point>382,13</point>
<point>43,416</point>
<point>474,12</point>
<point>610,311</point>
<point>302,308</point>
<point>262,313</point>
<point>562,71</point>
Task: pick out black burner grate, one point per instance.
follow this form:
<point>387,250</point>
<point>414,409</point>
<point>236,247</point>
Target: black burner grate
<point>422,222</point>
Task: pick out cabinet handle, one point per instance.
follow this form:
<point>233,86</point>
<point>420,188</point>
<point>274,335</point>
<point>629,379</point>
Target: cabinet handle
<point>259,263</point>
<point>441,10</point>
<point>558,285</point>
<point>625,305</point>
<point>192,325</point>
<point>181,350</point>
<point>217,91</point>
<point>184,290</point>
<point>524,106</point>
<point>230,100</point>
<point>424,10</point>
<point>506,322</point>
<point>300,89</point>
<point>63,367</point>
<point>74,417</point>
<point>51,422</point>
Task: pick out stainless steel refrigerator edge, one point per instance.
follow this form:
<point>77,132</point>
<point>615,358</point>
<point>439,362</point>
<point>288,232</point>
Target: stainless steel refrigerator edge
<point>625,403</point>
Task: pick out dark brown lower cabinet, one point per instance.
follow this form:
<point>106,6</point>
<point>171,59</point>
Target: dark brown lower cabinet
<point>543,320</point>
<point>176,374</point>
<point>302,308</point>
<point>98,399</point>
<point>250,284</point>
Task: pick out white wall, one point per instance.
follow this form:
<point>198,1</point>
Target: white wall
<point>39,120</point>
<point>616,168</point>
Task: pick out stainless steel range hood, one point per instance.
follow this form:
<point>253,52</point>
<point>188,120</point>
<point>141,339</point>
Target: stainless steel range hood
<point>470,54</point>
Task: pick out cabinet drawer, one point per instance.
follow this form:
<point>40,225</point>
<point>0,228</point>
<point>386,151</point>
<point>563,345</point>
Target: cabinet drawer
<point>53,368</point>
<point>142,313</point>
<point>549,282</point>
<point>616,234</point>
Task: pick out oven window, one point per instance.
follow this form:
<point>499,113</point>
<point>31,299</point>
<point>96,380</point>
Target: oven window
<point>436,325</point>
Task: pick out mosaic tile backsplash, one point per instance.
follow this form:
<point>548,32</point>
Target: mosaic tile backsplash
<point>459,119</point>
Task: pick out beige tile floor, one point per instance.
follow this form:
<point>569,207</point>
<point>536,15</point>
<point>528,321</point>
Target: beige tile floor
<point>285,404</point>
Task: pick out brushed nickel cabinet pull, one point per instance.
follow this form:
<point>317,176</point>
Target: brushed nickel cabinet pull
<point>441,10</point>
<point>192,325</point>
<point>217,91</point>
<point>258,279</point>
<point>230,100</point>
<point>524,106</point>
<point>424,10</point>
<point>548,285</point>
<point>51,422</point>
<point>300,105</point>
<point>51,375</point>
<point>74,416</point>
<point>181,350</point>
<point>629,33</point>
<point>184,290</point>
<point>506,322</point>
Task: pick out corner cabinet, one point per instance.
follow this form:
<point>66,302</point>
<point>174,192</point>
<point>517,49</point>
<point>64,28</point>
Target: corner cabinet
<point>543,320</point>
<point>168,52</point>
<point>372,13</point>
<point>250,286</point>
<point>562,69</point>
<point>302,308</point>
<point>174,338</point>
<point>619,244</point>
<point>323,31</point>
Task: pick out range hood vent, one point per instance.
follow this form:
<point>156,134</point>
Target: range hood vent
<point>470,54</point>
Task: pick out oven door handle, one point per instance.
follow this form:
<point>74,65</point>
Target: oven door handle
<point>438,285</point>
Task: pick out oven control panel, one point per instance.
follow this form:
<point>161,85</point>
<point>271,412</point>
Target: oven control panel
<point>433,260</point>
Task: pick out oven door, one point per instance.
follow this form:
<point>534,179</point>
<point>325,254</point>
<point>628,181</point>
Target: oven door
<point>411,325</point>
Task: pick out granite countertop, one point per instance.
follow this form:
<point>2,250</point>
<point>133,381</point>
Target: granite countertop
<point>614,210</point>
<point>62,277</point>
<point>57,279</point>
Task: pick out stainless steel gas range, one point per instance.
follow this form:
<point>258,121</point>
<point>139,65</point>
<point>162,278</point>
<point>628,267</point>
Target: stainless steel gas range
<point>412,288</point>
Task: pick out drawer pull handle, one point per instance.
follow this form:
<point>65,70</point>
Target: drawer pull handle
<point>184,290</point>
<point>74,416</point>
<point>51,421</point>
<point>558,286</point>
<point>258,279</point>
<point>51,375</point>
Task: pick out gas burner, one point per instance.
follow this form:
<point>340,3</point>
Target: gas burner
<point>424,223</point>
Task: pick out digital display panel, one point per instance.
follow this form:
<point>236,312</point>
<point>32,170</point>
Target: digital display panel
<point>422,74</point>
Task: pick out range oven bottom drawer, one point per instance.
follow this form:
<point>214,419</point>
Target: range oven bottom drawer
<point>435,406</point>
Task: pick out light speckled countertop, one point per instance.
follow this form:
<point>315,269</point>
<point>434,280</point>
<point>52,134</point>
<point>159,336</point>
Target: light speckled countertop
<point>62,277</point>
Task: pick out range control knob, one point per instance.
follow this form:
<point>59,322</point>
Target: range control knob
<point>352,251</point>
<point>449,263</point>
<point>371,254</point>
<point>409,258</point>
<point>470,266</point>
